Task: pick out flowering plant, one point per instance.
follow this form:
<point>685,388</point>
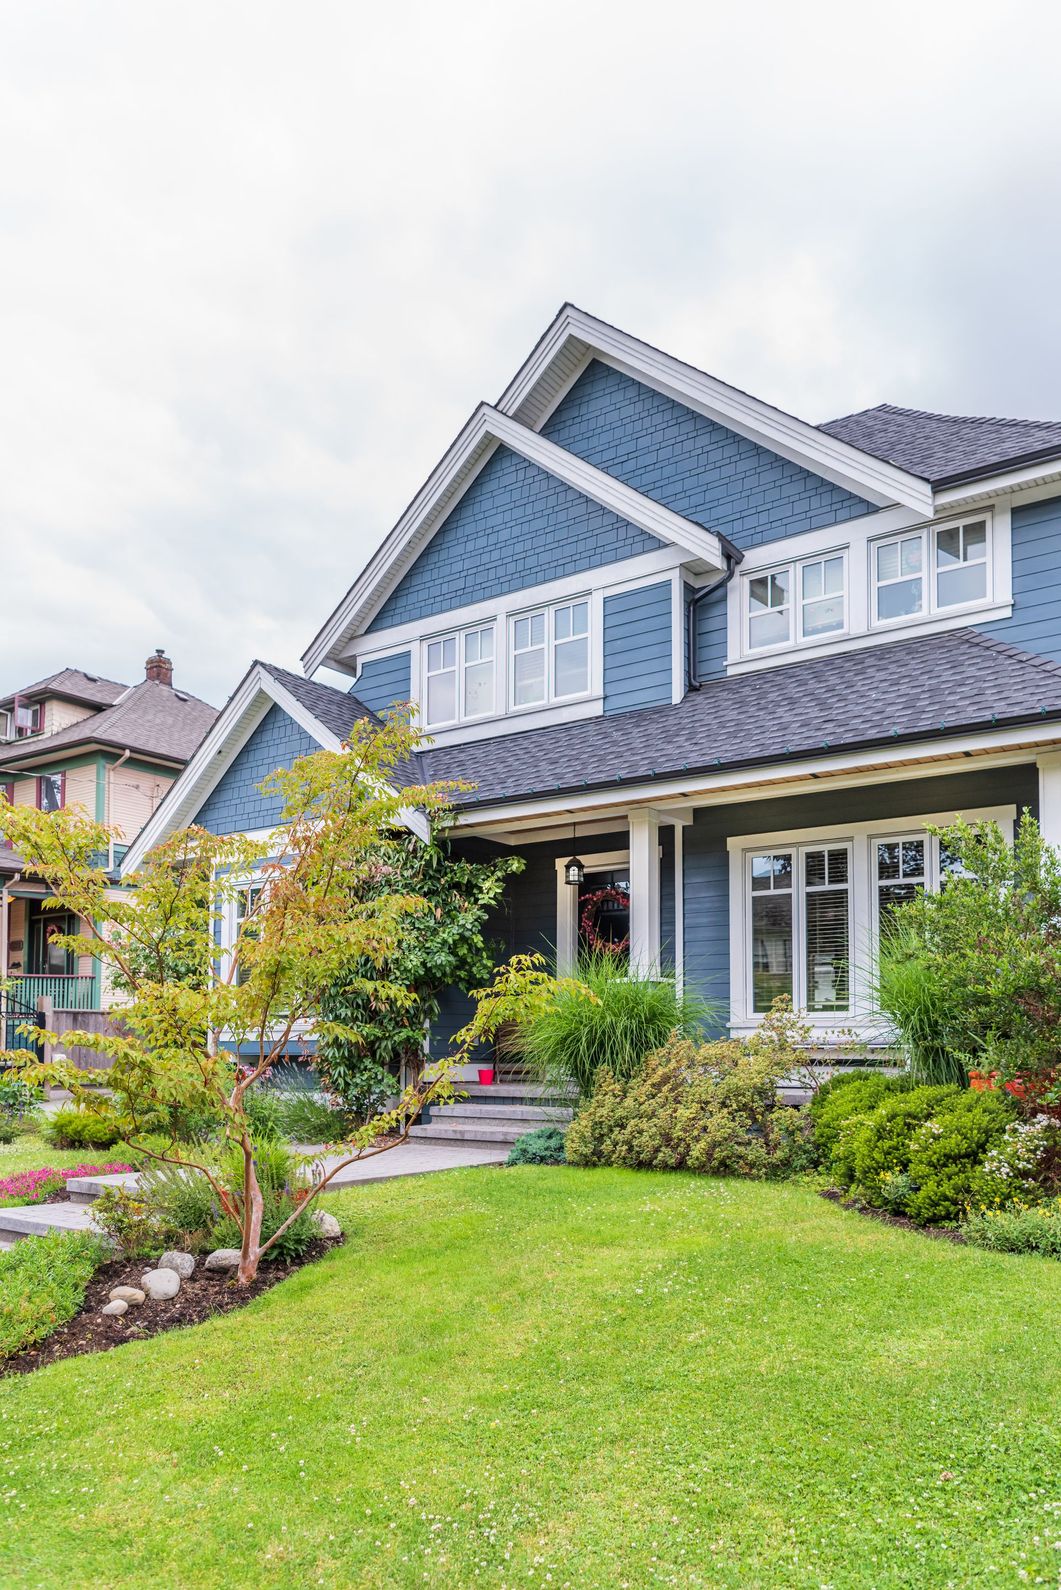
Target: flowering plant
<point>37,1186</point>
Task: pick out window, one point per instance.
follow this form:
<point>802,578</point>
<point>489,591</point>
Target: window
<point>246,903</point>
<point>550,654</point>
<point>5,725</point>
<point>804,601</point>
<point>901,873</point>
<point>801,927</point>
<point>47,957</point>
<point>930,571</point>
<point>459,676</point>
<point>961,564</point>
<point>50,792</point>
<point>27,718</point>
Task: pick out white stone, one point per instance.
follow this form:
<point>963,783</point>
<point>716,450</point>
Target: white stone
<point>222,1259</point>
<point>326,1224</point>
<point>161,1285</point>
<point>117,1306</point>
<point>126,1294</point>
<point>183,1263</point>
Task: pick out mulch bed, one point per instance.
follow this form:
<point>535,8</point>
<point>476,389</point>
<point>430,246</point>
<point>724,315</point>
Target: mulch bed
<point>205,1293</point>
<point>940,1233</point>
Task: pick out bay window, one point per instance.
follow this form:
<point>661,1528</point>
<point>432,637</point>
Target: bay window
<point>459,676</point>
<point>549,654</point>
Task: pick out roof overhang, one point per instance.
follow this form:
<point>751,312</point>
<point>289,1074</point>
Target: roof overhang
<point>488,429</point>
<point>44,757</point>
<point>257,692</point>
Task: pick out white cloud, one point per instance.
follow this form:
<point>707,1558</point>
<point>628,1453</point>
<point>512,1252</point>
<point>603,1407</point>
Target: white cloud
<point>258,262</point>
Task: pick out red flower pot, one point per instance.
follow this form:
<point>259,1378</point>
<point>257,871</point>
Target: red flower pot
<point>486,1076</point>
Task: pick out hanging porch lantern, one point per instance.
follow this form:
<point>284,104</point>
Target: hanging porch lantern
<point>574,871</point>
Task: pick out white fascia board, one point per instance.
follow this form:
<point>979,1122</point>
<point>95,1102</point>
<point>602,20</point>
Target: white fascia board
<point>230,732</point>
<point>487,429</point>
<point>907,759</point>
<point>792,438</point>
<point>1032,478</point>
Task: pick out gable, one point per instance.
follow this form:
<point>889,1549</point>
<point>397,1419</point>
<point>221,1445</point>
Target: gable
<point>690,463</point>
<point>235,805</point>
<point>516,526</point>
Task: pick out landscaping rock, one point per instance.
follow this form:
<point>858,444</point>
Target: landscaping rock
<point>161,1285</point>
<point>222,1259</point>
<point>326,1224</point>
<point>117,1305</point>
<point>183,1263</point>
<point>127,1294</point>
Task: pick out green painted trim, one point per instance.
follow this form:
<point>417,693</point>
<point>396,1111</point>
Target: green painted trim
<point>101,790</point>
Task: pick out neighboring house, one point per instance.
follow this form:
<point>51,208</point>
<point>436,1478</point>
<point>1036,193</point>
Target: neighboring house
<point>734,662</point>
<point>110,750</point>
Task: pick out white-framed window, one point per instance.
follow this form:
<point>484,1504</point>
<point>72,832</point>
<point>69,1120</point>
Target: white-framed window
<point>799,923</point>
<point>459,676</point>
<point>932,570</point>
<point>549,653</point>
<point>804,601</point>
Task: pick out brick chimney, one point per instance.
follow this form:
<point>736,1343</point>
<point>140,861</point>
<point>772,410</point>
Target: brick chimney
<point>159,668</point>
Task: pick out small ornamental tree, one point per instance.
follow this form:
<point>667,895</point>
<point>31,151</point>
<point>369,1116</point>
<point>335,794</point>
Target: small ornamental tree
<point>443,944</point>
<point>190,999</point>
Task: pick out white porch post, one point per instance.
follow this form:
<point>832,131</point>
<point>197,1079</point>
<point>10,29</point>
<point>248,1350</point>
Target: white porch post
<point>1049,767</point>
<point>644,891</point>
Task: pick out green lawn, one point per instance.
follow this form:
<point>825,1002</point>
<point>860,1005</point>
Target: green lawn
<point>31,1152</point>
<point>573,1378</point>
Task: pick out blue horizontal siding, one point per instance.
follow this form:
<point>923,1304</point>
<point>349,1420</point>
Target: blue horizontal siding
<point>235,805</point>
<point>383,681</point>
<point>637,648</point>
<point>1035,623</point>
<point>516,526</point>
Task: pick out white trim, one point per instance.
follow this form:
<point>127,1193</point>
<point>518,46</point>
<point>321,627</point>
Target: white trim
<point>679,907</point>
<point>816,450</point>
<point>485,430</point>
<point>230,732</point>
<point>679,663</point>
<point>860,837</point>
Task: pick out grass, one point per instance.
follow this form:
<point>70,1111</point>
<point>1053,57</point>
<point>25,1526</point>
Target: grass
<point>582,1378</point>
<point>31,1152</point>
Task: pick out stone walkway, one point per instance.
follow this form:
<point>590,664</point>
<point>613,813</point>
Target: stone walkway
<point>410,1159</point>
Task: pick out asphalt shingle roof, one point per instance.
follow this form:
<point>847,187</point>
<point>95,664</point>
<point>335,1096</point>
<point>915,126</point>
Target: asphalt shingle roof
<point>946,447</point>
<point>151,718</point>
<point>930,687</point>
<point>336,710</point>
<point>73,685</point>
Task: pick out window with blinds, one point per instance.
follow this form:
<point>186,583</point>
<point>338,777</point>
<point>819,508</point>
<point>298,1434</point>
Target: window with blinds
<point>800,918</point>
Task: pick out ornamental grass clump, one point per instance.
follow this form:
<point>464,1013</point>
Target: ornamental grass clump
<point>709,1107</point>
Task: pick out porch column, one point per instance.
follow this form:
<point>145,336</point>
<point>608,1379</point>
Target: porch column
<point>1049,766</point>
<point>644,891</point>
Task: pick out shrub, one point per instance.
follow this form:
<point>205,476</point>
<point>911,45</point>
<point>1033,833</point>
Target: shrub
<point>131,1225</point>
<point>42,1285</point>
<point>947,1151</point>
<point>18,1106</point>
<point>72,1127</point>
<point>1017,1230</point>
<point>710,1107</point>
<point>308,1117</point>
<point>264,1114</point>
<point>566,1042</point>
<point>909,991</point>
<point>182,1202</point>
<point>543,1146</point>
<point>836,1101</point>
<point>873,1148</point>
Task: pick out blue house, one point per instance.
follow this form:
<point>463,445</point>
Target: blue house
<point>738,664</point>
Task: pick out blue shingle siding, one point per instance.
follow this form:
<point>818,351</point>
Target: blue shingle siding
<point>236,805</point>
<point>516,526</point>
<point>706,857</point>
<point>1035,623</point>
<point>694,466</point>
<point>637,648</point>
<point>383,681</point>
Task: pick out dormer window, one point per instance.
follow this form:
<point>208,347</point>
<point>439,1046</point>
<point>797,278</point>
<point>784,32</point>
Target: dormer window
<point>459,677</point>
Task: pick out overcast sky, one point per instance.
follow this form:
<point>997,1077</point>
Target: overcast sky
<point>259,261</point>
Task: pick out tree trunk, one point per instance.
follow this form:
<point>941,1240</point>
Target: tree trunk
<point>252,1218</point>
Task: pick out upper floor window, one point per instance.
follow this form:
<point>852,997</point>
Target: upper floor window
<point>27,718</point>
<point>50,792</point>
<point>459,676</point>
<point>549,654</point>
<point>931,570</point>
<point>801,601</point>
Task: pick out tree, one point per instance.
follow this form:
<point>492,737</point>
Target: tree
<point>314,909</point>
<point>443,944</point>
<point>970,977</point>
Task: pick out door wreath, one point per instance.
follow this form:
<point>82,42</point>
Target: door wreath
<point>589,922</point>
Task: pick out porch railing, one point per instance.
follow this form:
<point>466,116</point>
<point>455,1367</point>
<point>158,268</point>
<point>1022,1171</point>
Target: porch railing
<point>65,993</point>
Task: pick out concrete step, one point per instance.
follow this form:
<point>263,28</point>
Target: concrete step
<point>32,1220</point>
<point>85,1189</point>
<point>513,1092</point>
<point>533,1114</point>
<point>485,1132</point>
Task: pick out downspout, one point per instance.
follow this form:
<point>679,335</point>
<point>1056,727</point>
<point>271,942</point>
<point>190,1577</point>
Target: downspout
<point>733,556</point>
